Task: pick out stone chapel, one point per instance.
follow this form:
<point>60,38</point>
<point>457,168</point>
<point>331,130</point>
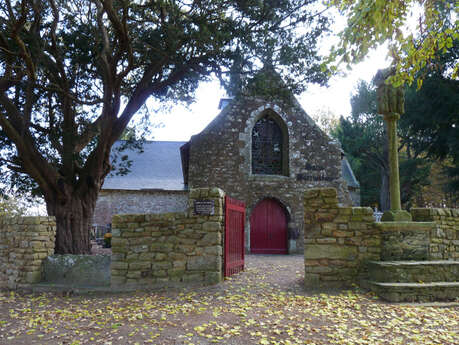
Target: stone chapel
<point>261,149</point>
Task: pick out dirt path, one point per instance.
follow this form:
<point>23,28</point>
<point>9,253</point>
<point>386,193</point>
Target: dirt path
<point>265,304</point>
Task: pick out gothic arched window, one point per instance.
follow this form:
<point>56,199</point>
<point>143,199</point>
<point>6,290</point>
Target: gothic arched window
<point>267,147</point>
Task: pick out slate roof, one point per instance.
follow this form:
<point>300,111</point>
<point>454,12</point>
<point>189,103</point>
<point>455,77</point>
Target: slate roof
<point>348,174</point>
<point>158,167</point>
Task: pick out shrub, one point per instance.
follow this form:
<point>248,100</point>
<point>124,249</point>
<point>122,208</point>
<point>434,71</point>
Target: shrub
<point>108,240</point>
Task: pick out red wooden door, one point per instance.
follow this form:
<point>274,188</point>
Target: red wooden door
<point>268,228</point>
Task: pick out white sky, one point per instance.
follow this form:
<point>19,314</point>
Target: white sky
<point>181,123</point>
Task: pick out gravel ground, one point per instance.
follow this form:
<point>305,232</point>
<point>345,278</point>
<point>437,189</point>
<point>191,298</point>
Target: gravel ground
<point>265,304</point>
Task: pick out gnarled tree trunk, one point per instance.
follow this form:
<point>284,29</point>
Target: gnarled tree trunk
<point>73,222</point>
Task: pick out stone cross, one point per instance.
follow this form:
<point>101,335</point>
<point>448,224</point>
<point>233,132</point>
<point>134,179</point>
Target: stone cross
<point>391,104</point>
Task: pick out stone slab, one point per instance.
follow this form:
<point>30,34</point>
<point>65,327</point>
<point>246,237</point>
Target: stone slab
<point>396,216</point>
<point>414,271</point>
<point>416,292</point>
<point>91,270</point>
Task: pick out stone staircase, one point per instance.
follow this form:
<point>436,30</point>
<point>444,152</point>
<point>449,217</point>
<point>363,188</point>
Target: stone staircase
<point>414,281</point>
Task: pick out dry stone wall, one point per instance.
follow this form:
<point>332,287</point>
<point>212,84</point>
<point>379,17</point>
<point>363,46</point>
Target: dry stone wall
<point>337,240</point>
<point>24,243</point>
<point>151,250</point>
<point>444,238</point>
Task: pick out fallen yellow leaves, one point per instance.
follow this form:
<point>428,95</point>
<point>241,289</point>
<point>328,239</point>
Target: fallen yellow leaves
<point>258,306</point>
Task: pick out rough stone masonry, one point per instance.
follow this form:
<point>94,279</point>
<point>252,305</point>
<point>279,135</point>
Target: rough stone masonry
<point>221,155</point>
<point>170,249</point>
<point>340,241</point>
<point>24,243</point>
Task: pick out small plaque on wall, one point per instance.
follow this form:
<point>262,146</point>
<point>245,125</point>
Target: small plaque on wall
<point>204,207</point>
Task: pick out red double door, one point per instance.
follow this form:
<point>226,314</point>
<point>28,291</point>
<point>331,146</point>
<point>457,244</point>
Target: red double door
<point>268,228</point>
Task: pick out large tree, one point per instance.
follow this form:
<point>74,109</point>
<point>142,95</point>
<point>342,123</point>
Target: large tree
<point>74,72</point>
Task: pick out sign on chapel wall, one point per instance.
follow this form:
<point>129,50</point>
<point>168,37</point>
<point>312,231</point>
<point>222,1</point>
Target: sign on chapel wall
<point>204,207</point>
<point>316,173</point>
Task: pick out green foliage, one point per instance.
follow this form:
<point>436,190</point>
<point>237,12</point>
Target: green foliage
<point>373,22</point>
<point>361,137</point>
<point>415,174</point>
<point>11,207</point>
<point>431,120</point>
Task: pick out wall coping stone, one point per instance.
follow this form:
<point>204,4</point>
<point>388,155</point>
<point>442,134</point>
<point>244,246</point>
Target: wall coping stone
<point>414,263</point>
<point>405,226</point>
<point>454,212</point>
<point>25,220</point>
<point>362,210</point>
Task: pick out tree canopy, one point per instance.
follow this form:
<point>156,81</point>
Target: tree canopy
<point>418,31</point>
<point>74,72</point>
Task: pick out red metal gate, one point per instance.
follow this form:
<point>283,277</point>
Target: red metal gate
<point>234,236</point>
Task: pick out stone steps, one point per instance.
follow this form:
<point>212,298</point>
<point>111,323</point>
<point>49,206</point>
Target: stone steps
<point>414,281</point>
<point>416,292</point>
<point>413,271</point>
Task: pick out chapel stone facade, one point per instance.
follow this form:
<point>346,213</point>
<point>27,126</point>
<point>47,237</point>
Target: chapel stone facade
<point>266,151</point>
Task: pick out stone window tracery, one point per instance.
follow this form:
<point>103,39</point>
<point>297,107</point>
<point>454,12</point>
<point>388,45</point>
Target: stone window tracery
<point>267,150</point>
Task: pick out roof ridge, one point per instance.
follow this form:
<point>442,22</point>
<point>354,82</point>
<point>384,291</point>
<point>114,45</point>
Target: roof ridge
<point>156,141</point>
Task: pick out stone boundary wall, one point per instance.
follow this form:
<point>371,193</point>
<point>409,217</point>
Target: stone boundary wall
<point>151,250</point>
<point>337,240</point>
<point>24,243</point>
<point>444,240</point>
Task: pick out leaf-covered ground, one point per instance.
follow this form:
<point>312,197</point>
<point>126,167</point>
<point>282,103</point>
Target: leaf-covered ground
<point>266,304</point>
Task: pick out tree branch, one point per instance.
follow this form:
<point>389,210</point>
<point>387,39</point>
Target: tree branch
<point>90,133</point>
<point>31,160</point>
<point>122,32</point>
<point>104,55</point>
